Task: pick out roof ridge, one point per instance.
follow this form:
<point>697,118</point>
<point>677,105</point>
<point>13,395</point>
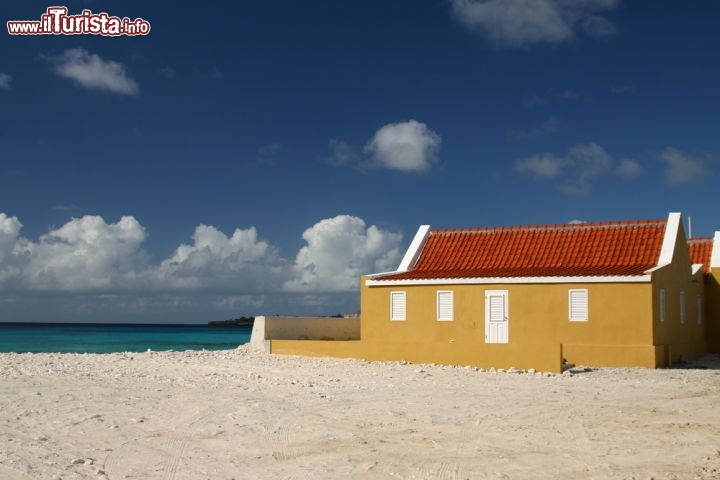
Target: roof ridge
<point>700,240</point>
<point>554,227</point>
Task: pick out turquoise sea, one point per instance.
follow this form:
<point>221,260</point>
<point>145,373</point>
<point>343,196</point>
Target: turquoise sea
<point>108,338</point>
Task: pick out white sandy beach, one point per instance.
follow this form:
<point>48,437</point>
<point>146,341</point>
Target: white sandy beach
<point>245,415</point>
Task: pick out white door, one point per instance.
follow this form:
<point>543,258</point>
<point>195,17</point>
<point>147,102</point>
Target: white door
<point>496,316</point>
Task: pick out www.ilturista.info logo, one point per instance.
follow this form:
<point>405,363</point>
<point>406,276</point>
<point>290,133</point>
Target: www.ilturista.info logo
<point>57,22</point>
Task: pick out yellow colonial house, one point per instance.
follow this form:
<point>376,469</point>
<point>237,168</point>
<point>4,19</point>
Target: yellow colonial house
<point>629,293</point>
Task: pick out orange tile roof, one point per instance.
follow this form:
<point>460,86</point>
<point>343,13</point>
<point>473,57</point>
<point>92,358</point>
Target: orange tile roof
<point>701,251</point>
<point>587,249</point>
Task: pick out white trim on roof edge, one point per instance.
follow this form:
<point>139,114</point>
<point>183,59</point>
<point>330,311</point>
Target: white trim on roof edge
<point>715,256</point>
<point>415,248</point>
<point>696,267</point>
<point>654,269</point>
<point>670,239</point>
<point>508,280</point>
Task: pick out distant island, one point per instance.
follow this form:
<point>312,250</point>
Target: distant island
<point>234,322</point>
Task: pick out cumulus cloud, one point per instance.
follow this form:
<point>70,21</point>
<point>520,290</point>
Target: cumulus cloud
<point>90,71</point>
<point>338,251</point>
<point>527,22</point>
<point>681,167</point>
<point>9,230</point>
<point>629,169</point>
<point>574,172</point>
<point>541,166</point>
<point>5,80</point>
<point>216,261</point>
<point>90,257</point>
<point>407,146</point>
<point>85,254</point>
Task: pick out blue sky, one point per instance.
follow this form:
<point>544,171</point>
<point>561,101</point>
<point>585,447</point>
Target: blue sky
<point>256,157</point>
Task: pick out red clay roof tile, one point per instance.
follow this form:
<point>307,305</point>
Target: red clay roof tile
<point>604,248</point>
<point>701,251</point>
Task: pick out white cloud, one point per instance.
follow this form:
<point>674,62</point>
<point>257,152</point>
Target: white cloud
<point>91,71</point>
<point>574,172</point>
<point>629,168</point>
<point>92,258</point>
<point>5,80</point>
<point>407,146</point>
<point>597,26</point>
<point>542,166</point>
<point>527,22</point>
<point>85,254</point>
<point>681,167</point>
<point>215,261</point>
<point>9,230</point>
<point>240,302</point>
<point>338,251</point>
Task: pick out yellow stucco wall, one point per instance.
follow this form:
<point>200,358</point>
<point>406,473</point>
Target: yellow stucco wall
<point>540,357</point>
<point>712,309</point>
<point>540,332</point>
<point>680,340</point>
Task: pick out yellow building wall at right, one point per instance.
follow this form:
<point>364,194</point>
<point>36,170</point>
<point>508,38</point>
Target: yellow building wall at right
<point>679,321</point>
<point>712,309</point>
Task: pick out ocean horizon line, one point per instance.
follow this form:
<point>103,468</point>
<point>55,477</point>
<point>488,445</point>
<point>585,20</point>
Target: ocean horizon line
<point>115,324</point>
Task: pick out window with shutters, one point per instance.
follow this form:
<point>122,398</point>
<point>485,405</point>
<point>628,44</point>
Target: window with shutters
<point>397,306</point>
<point>682,307</point>
<point>662,304</point>
<point>699,309</point>
<point>578,304</point>
<point>445,305</point>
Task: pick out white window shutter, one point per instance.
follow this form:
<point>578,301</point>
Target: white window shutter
<point>398,306</point>
<point>445,305</point>
<point>578,305</point>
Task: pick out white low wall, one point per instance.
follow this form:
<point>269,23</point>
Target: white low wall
<point>302,328</point>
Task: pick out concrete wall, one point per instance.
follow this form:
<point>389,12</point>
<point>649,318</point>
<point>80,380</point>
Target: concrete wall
<point>302,328</point>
